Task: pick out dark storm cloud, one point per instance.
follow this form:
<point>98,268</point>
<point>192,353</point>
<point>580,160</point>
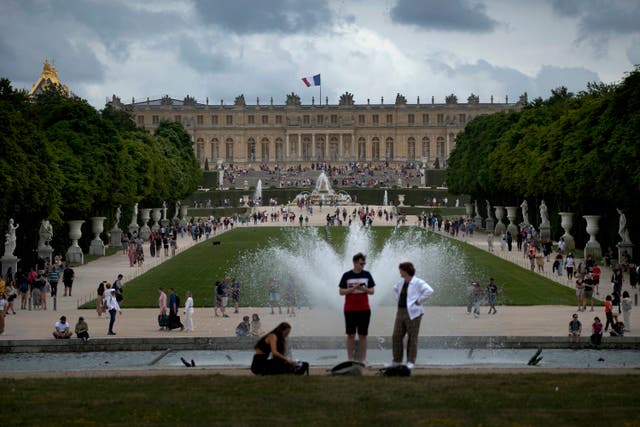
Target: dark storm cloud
<point>548,78</point>
<point>451,15</point>
<point>201,60</point>
<point>598,18</point>
<point>266,16</point>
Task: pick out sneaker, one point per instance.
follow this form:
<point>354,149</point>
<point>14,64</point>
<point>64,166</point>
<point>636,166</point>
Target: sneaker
<point>225,315</point>
<point>111,333</point>
<point>410,365</point>
<point>391,365</point>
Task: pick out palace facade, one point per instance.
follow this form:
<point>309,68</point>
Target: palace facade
<point>293,133</point>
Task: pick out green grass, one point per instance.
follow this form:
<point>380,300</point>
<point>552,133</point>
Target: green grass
<point>198,268</point>
<point>88,257</point>
<point>430,400</point>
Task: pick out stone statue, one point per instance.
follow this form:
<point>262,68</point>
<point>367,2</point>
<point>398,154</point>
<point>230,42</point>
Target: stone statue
<point>476,208</point>
<point>175,215</point>
<point>457,203</point>
<point>46,233</point>
<point>10,243</point>
<point>488,210</point>
<point>118,214</point>
<point>134,217</point>
<point>544,215</point>
<point>622,228</point>
<point>525,212</point>
<point>164,210</point>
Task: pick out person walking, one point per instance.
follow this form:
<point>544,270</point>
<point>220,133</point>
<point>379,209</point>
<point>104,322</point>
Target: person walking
<point>356,285</point>
<point>162,308</point>
<point>68,276</point>
<point>492,294</point>
<point>174,307</point>
<point>410,292</point>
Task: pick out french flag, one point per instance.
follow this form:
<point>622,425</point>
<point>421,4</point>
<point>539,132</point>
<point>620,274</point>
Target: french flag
<point>312,81</point>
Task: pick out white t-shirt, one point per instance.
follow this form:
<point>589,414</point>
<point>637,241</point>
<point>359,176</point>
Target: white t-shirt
<point>62,327</point>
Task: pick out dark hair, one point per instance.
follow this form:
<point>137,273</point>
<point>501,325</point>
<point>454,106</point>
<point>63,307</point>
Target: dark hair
<point>625,294</point>
<point>359,257</point>
<point>278,331</point>
<point>408,268</point>
<point>608,298</point>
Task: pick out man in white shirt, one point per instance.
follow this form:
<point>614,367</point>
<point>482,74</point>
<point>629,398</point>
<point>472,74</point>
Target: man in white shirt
<point>62,330</point>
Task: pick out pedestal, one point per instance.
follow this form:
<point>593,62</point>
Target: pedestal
<point>489,225</point>
<point>74,253</point>
<point>97,245</point>
<point>477,221</point>
<point>9,262</point>
<point>500,227</point>
<point>468,209</point>
<point>115,240</point>
<point>545,232</point>
<point>423,178</point>
<point>133,228</point>
<point>512,214</point>
<point>245,185</point>
<point>45,252</point>
<point>624,247</point>
<point>592,247</point>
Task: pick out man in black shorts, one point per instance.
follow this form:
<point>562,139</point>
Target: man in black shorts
<point>356,285</point>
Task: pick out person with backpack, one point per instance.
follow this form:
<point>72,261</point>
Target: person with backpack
<point>410,292</point>
<point>174,305</point>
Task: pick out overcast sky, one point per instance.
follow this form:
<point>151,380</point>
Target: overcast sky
<point>371,48</point>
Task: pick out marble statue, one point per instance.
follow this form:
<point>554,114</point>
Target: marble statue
<point>476,208</point>
<point>622,227</point>
<point>175,216</point>
<point>134,217</point>
<point>525,211</point>
<point>457,203</point>
<point>488,210</point>
<point>544,215</point>
<point>46,233</point>
<point>10,242</point>
<point>118,214</point>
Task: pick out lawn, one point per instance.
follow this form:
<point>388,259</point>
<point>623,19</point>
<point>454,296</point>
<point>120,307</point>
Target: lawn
<point>451,266</point>
<point>432,400</point>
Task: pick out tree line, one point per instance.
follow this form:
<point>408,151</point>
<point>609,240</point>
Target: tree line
<point>62,159</point>
<point>577,152</point>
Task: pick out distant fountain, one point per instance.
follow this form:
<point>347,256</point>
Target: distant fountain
<point>323,193</point>
<point>385,199</point>
<point>257,196</point>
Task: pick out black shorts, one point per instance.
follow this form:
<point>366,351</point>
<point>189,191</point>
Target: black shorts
<point>357,321</point>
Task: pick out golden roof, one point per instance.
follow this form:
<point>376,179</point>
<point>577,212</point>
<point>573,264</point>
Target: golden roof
<point>49,76</point>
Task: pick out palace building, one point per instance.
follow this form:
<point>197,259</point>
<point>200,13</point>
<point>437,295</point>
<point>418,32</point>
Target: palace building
<point>293,133</point>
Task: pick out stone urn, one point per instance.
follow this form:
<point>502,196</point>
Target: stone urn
<point>400,199</point>
<point>97,227</point>
<point>74,253</point>
<point>468,207</point>
<point>145,231</point>
<point>183,216</point>
<point>512,214</point>
<point>566,222</point>
<point>156,215</point>
<point>592,247</point>
<point>500,227</point>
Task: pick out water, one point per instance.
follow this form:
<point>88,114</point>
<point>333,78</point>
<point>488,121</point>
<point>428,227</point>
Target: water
<point>258,194</point>
<point>310,261</point>
<point>385,200</point>
<point>427,358</point>
<point>323,193</point>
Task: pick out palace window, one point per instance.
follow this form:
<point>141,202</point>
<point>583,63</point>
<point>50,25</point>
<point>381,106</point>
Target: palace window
<point>426,148</point>
<point>388,149</point>
<point>229,119</point>
<point>411,119</point>
<point>389,119</point>
<point>411,149</point>
<point>265,120</point>
<point>361,119</point>
<point>425,119</point>
<point>440,119</point>
<point>199,120</point>
<point>141,120</point>
<point>214,120</point>
<point>251,119</point>
<point>320,119</point>
<point>375,149</point>
<point>375,119</point>
<point>278,120</point>
<point>155,119</point>
<point>251,149</point>
<point>229,149</point>
<point>334,119</point>
<point>462,118</point>
<point>305,119</point>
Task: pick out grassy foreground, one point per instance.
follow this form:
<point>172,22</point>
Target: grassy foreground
<point>456,400</point>
<point>198,268</point>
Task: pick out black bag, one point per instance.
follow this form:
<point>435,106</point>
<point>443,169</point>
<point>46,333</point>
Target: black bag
<point>350,367</point>
<point>301,368</point>
<point>163,320</point>
<point>396,371</point>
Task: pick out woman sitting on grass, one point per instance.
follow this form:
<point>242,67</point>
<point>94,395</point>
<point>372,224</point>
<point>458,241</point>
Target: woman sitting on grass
<point>273,344</point>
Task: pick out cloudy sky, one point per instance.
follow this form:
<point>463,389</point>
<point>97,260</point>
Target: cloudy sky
<point>372,48</point>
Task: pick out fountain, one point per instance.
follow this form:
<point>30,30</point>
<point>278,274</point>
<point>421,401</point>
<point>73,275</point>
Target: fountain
<point>385,199</point>
<point>323,193</point>
<point>257,196</point>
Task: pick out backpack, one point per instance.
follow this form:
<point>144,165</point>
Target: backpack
<point>350,367</point>
<point>396,371</point>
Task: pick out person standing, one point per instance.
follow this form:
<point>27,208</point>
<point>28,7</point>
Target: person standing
<point>274,295</point>
<point>492,294</point>
<point>221,298</point>
<point>162,307</point>
<point>188,311</point>
<point>68,276</point>
<point>356,285</point>
<point>410,292</point>
<point>235,294</point>
<point>100,302</point>
<point>53,275</point>
<point>3,311</point>
<point>174,306</point>
<point>596,331</point>
<point>112,306</point>
<point>569,265</point>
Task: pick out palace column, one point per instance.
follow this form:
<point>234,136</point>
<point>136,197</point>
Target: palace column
<point>313,147</point>
<point>287,154</point>
<point>341,149</point>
